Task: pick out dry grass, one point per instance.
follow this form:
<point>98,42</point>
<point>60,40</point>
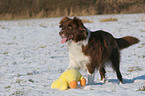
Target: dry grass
<point>141,89</point>
<point>5,53</point>
<point>22,9</point>
<point>86,21</point>
<point>108,19</point>
<point>142,18</point>
<point>18,93</point>
<point>134,68</point>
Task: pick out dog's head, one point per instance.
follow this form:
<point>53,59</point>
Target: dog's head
<point>72,29</point>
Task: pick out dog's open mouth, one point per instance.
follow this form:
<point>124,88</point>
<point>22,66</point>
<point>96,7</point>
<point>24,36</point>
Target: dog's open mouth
<point>65,39</point>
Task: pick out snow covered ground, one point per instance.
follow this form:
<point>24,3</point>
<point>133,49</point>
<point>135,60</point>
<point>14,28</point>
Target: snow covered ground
<point>32,57</point>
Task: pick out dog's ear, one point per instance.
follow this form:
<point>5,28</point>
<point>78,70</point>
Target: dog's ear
<point>80,25</point>
<point>78,21</point>
<point>64,19</point>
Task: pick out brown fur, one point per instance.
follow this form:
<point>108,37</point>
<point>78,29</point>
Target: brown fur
<point>102,46</point>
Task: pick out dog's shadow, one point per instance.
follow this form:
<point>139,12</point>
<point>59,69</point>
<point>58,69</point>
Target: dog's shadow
<point>125,81</point>
<point>96,83</point>
<point>116,81</point>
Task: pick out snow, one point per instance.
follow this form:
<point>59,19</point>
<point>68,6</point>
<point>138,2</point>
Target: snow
<point>32,57</point>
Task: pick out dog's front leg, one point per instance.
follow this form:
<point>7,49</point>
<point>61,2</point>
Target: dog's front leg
<point>73,64</point>
<point>91,78</point>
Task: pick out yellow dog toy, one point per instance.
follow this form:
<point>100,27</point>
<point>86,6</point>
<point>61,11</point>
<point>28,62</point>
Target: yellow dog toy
<point>69,79</point>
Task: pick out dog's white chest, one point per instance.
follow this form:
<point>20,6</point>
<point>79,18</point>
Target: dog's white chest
<point>76,55</point>
<point>75,49</point>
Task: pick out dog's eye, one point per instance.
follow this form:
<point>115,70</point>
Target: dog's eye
<point>70,27</point>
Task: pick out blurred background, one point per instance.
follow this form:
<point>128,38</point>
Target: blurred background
<point>21,9</point>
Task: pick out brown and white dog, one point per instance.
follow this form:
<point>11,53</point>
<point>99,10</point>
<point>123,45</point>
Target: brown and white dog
<point>90,50</point>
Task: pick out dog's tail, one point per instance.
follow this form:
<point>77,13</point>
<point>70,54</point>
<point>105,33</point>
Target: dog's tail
<point>126,41</point>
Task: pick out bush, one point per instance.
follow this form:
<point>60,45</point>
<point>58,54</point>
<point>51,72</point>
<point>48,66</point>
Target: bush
<point>14,9</point>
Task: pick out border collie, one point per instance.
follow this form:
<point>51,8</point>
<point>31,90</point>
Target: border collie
<point>90,50</point>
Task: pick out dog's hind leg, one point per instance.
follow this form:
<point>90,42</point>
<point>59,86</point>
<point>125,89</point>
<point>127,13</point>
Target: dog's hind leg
<point>115,59</point>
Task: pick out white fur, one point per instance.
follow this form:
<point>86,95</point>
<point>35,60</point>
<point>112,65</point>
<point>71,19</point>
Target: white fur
<point>77,59</point>
<point>85,42</point>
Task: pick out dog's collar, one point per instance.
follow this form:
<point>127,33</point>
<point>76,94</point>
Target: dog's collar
<point>85,42</point>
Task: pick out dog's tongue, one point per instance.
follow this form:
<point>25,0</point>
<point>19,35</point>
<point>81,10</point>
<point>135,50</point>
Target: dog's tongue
<point>63,40</point>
